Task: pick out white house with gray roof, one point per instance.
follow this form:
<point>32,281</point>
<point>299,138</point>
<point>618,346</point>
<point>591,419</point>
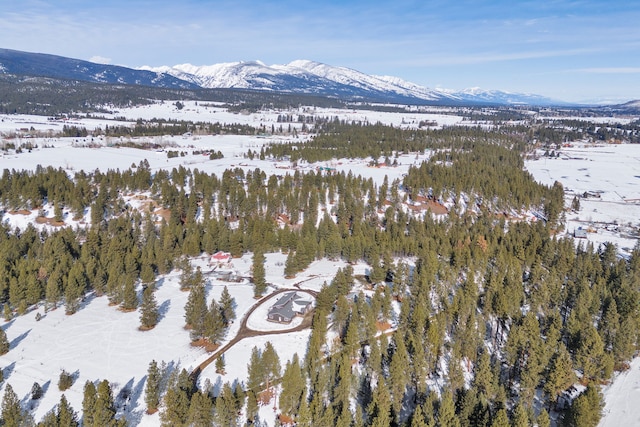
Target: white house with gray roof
<point>288,306</point>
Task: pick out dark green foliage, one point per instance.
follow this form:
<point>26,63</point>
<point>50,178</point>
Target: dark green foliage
<point>130,296</point>
<point>65,414</point>
<point>177,400</point>
<point>293,387</point>
<point>12,413</point>
<point>200,410</point>
<point>226,408</point>
<point>104,410</point>
<point>59,96</point>
<point>36,391</point>
<point>4,341</point>
<point>152,387</point>
<point>149,308</point>
<point>89,403</point>
<point>259,282</point>
<point>195,310</point>
<point>227,306</point>
<point>220,365</point>
<point>65,381</point>
<point>214,327</point>
<point>586,409</point>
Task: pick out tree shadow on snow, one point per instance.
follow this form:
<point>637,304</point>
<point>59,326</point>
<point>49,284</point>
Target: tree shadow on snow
<point>8,370</point>
<point>124,396</point>
<point>6,325</point>
<point>217,387</point>
<point>18,339</point>
<point>86,300</point>
<point>158,284</point>
<point>163,309</point>
<point>32,404</point>
<point>134,410</point>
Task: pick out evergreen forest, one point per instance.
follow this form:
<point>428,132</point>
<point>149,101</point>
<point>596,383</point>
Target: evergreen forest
<point>494,316</point>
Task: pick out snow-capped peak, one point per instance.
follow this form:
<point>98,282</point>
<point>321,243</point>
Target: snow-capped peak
<point>306,76</point>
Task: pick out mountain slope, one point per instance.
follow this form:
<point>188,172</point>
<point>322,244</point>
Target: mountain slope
<point>297,77</point>
<point>39,64</point>
<point>303,76</point>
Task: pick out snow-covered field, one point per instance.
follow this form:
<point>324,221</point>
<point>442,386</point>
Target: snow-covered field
<point>610,175</point>
<point>101,342</point>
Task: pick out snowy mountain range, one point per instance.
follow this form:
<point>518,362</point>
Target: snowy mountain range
<point>297,77</point>
<point>304,76</point>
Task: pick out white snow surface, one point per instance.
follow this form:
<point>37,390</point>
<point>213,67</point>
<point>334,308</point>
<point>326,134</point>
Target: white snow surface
<point>621,398</point>
<point>610,170</point>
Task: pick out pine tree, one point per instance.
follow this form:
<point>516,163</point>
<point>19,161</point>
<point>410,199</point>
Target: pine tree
<point>291,265</point>
<point>586,409</point>
<point>129,296</point>
<point>259,280</point>
<point>148,309</point>
<point>501,419</point>
<point>147,274</point>
<point>50,419</point>
<point>254,383</point>
<point>226,413</point>
<point>36,391</point>
<point>214,327</point>
<point>200,410</point>
<point>89,404</point>
<point>4,341</point>
<point>104,411</point>
<point>484,378</point>
<point>176,407</point>
<point>76,284</point>
<point>227,306</point>
<point>543,419</point>
<point>220,365</point>
<point>12,414</point>
<point>152,387</point>
<point>195,310</point>
<point>561,374</point>
<point>65,380</point>
<point>575,204</point>
<point>398,374</point>
<point>187,276</point>
<point>270,364</point>
<point>67,417</point>
<point>380,408</point>
<point>446,412</point>
<point>520,417</point>
<point>418,418</point>
<point>341,390</point>
<point>293,387</point>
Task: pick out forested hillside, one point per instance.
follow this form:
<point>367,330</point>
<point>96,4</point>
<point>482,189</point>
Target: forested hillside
<point>494,316</point>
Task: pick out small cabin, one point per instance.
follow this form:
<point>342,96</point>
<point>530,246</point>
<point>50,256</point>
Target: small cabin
<point>580,233</point>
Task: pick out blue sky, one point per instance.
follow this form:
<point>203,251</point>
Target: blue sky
<point>566,49</point>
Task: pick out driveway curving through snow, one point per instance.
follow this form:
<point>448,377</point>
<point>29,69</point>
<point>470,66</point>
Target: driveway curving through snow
<point>245,332</point>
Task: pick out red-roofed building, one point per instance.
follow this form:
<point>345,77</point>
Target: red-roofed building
<point>220,258</point>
